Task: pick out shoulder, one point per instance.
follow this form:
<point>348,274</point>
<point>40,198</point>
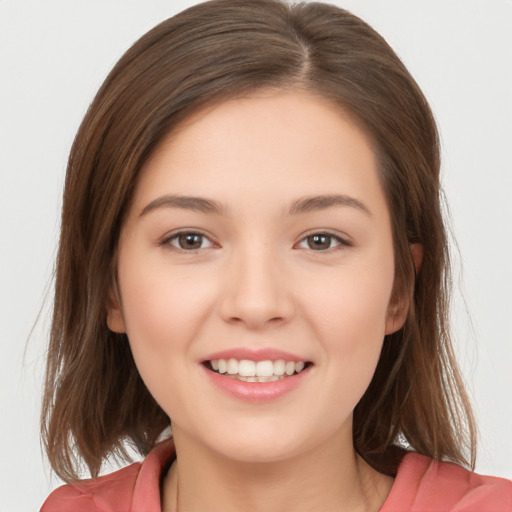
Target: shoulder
<point>106,493</point>
<point>426,485</point>
<point>135,487</point>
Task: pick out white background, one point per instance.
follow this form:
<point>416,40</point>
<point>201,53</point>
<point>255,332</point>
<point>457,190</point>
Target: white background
<point>53,57</point>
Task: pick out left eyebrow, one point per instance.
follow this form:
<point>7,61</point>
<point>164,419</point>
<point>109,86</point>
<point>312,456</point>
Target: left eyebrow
<point>314,203</point>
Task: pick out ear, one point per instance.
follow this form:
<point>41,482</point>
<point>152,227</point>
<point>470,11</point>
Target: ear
<point>417,256</point>
<point>399,303</point>
<point>115,318</point>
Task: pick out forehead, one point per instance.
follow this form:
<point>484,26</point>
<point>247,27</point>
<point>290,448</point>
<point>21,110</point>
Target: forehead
<point>265,146</point>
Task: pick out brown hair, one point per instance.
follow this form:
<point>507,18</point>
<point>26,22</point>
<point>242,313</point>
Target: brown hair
<point>94,399</point>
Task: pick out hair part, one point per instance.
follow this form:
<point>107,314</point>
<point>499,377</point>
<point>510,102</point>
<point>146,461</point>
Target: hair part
<point>94,400</point>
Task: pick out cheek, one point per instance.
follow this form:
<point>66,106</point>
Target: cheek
<point>163,312</point>
<point>349,315</point>
<point>163,315</point>
<point>352,303</point>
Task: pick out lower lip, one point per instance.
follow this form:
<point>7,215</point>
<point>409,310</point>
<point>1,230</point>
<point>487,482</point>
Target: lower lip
<point>257,391</point>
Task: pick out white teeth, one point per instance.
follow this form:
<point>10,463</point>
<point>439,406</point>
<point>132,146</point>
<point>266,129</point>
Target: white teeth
<point>247,368</point>
<point>222,365</point>
<point>232,366</point>
<point>260,371</point>
<point>265,368</point>
<point>279,367</point>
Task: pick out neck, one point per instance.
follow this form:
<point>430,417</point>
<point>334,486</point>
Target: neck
<point>330,477</point>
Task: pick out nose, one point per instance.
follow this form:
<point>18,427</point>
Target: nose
<point>257,291</point>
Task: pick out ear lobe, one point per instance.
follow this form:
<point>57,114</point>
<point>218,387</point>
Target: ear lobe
<point>399,303</point>
<point>115,318</point>
<point>397,313</point>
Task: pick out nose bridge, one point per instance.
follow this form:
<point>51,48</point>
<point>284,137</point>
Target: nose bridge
<point>256,289</point>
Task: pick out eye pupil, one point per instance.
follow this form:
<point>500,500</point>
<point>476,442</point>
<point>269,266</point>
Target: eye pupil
<point>190,241</point>
<point>319,241</point>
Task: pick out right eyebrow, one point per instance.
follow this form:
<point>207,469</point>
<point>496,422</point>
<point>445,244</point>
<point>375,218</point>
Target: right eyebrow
<point>198,204</point>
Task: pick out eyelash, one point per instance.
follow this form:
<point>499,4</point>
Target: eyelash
<point>168,240</point>
<point>340,241</point>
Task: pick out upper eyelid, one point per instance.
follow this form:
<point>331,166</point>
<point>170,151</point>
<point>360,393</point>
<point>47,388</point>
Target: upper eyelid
<point>335,234</point>
<point>182,231</point>
<point>330,232</point>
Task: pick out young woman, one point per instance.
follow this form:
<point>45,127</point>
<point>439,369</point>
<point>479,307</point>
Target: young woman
<point>253,253</point>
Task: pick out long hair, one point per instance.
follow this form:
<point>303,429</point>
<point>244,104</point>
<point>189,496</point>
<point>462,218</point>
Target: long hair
<point>94,399</point>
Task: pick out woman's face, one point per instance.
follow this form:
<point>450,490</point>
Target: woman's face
<point>259,232</point>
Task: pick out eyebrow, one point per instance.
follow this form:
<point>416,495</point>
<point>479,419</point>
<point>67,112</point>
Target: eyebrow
<point>314,203</point>
<point>197,204</point>
<point>299,206</point>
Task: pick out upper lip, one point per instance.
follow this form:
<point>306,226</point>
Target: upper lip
<point>262,354</point>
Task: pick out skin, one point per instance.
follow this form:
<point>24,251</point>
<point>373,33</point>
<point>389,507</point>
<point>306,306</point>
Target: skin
<point>257,281</point>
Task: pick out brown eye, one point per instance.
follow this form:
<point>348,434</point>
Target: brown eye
<point>319,242</point>
<point>322,242</point>
<point>188,241</point>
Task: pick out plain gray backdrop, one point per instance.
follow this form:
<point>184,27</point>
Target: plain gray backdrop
<point>53,57</point>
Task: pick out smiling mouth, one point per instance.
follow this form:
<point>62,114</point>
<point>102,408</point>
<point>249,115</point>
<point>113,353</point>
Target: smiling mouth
<point>256,371</point>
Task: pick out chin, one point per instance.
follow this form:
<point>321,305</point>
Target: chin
<point>260,443</point>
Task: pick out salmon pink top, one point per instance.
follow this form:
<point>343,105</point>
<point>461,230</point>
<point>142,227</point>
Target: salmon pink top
<point>421,485</point>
